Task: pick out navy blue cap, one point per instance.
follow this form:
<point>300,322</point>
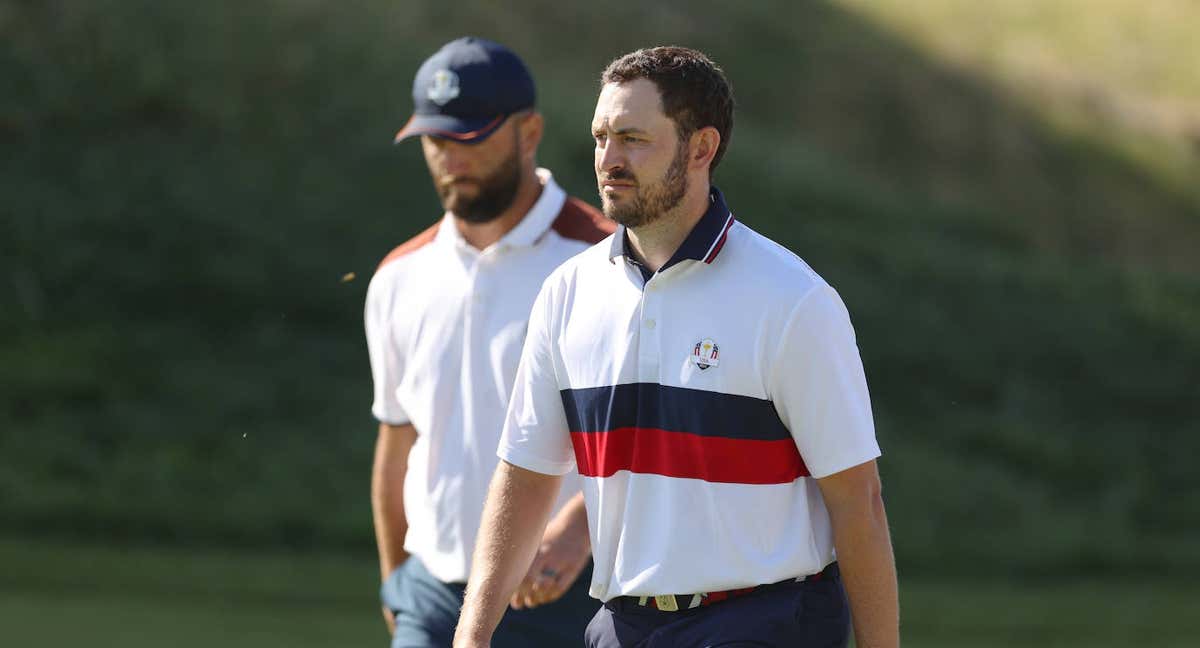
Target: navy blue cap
<point>466,90</point>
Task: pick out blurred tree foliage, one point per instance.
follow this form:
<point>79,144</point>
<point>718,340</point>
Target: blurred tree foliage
<point>185,185</point>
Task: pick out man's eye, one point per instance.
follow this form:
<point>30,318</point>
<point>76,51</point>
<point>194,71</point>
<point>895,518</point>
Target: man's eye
<point>632,140</point>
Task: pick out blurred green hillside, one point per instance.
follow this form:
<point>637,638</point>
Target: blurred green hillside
<point>186,184</point>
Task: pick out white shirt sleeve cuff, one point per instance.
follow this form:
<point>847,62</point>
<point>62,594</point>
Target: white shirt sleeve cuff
<point>522,459</point>
<point>391,418</point>
<point>838,464</point>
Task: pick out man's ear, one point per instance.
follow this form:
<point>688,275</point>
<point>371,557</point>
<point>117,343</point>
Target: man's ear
<point>530,130</point>
<point>703,147</point>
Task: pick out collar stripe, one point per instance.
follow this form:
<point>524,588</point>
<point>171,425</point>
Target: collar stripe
<point>461,137</point>
<point>720,242</point>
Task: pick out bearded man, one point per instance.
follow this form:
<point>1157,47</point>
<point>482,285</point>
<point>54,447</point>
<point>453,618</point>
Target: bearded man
<point>446,315</point>
<point>707,385</point>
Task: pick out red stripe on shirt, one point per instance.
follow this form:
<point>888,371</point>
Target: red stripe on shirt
<point>721,241</point>
<point>580,221</point>
<point>691,456</point>
<point>411,245</point>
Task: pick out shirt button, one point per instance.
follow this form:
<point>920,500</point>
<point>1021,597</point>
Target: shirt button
<point>650,324</point>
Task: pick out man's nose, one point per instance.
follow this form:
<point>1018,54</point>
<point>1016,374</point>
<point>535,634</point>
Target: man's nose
<point>456,158</point>
<point>609,159</point>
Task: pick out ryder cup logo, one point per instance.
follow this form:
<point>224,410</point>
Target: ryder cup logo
<point>706,354</point>
<point>444,88</point>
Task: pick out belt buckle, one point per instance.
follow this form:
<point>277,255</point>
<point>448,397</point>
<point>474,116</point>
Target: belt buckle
<point>666,603</point>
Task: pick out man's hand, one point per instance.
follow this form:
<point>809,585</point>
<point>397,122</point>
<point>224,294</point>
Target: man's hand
<point>564,552</point>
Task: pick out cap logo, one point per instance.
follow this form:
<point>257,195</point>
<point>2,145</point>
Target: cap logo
<point>706,354</point>
<point>445,87</point>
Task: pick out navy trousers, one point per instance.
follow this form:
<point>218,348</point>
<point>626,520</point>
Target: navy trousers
<point>427,610</point>
<point>808,614</point>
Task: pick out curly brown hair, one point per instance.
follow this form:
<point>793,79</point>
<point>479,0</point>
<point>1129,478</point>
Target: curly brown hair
<point>694,90</point>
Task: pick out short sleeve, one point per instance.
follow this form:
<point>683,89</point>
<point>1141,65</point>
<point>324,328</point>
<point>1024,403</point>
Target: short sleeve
<point>819,388</point>
<point>536,436</point>
<point>387,363</point>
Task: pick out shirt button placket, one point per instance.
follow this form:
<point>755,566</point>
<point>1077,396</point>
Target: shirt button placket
<point>477,295</point>
<point>649,349</point>
<point>481,278</point>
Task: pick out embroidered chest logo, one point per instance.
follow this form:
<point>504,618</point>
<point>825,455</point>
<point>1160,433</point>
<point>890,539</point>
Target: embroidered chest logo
<point>444,88</point>
<point>706,354</point>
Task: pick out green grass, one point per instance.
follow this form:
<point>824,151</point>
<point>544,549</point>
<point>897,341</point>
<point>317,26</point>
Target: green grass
<point>67,595</point>
<point>1126,47</point>
<point>73,595</point>
<point>116,620</point>
<point>1117,71</point>
<point>187,183</point>
<point>1097,613</point>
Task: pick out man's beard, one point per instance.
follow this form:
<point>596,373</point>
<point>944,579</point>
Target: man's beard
<point>650,202</point>
<point>495,193</point>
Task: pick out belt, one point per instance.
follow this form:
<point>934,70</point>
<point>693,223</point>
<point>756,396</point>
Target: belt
<point>676,602</point>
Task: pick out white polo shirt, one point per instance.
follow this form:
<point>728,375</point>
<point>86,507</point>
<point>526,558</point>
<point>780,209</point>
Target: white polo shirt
<point>699,405</point>
<point>445,323</point>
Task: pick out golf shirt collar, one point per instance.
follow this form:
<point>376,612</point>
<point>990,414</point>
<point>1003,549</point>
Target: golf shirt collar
<point>529,230</point>
<point>703,243</point>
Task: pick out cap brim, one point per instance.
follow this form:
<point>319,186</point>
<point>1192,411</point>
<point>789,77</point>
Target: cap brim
<point>455,128</point>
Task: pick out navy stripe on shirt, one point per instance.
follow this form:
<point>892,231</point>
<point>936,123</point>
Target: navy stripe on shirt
<point>677,409</point>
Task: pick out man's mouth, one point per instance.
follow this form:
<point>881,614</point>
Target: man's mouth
<point>458,183</point>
